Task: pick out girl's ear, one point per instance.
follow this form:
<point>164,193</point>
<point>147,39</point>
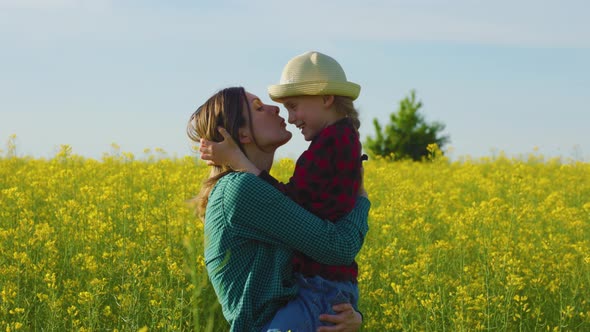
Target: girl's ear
<point>245,135</point>
<point>328,101</point>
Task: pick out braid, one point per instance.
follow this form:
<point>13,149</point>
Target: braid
<point>345,106</point>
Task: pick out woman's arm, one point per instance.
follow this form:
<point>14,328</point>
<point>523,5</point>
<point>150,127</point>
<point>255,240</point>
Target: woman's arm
<point>259,211</point>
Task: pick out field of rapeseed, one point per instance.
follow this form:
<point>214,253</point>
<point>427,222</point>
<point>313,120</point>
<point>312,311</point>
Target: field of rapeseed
<point>494,244</point>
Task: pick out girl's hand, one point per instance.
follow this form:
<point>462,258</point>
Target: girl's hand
<point>346,319</point>
<point>222,153</point>
<point>226,153</point>
<point>362,191</point>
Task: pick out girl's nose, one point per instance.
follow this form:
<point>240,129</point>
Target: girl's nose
<point>291,118</point>
<point>275,109</point>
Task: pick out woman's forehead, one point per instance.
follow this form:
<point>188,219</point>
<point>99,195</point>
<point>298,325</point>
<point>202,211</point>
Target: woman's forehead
<point>252,98</point>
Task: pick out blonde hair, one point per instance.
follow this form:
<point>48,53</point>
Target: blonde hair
<point>345,106</point>
<point>223,109</point>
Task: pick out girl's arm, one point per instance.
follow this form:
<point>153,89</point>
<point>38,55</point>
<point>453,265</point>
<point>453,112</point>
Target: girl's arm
<point>258,211</point>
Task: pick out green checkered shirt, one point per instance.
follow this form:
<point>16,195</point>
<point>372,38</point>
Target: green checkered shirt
<point>251,232</point>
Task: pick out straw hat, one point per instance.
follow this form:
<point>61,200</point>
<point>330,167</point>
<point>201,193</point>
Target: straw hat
<point>311,74</point>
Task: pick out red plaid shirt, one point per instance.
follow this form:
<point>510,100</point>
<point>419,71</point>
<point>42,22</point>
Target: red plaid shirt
<point>325,182</point>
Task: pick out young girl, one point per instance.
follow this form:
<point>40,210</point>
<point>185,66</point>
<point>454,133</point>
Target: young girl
<point>319,100</point>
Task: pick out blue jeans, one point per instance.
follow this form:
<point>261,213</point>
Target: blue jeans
<point>316,296</point>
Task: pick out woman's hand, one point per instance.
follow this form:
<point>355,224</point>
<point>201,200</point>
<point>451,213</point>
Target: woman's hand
<point>346,319</point>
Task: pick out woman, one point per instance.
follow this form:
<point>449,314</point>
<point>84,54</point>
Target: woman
<point>252,230</point>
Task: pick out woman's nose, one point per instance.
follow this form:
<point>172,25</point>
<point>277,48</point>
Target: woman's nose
<point>275,109</point>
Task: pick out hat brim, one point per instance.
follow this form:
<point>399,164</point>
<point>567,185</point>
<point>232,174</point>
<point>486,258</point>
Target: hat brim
<point>315,88</point>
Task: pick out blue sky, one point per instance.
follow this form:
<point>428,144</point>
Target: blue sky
<point>510,76</point>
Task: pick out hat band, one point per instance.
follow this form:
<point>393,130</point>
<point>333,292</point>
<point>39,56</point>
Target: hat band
<point>314,88</point>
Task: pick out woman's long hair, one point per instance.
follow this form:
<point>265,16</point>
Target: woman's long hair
<point>223,109</point>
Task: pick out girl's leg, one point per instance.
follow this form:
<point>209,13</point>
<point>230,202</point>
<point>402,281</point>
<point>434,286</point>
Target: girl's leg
<point>316,296</point>
<point>336,292</point>
<point>299,315</point>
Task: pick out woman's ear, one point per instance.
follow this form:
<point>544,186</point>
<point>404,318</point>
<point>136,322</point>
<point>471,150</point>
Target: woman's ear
<point>245,135</point>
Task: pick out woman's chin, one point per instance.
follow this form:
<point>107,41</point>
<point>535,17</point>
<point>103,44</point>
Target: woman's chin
<point>287,138</point>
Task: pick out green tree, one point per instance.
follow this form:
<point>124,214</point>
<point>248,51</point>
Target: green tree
<point>407,135</point>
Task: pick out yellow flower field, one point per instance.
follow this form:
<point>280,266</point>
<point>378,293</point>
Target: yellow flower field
<point>493,244</point>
